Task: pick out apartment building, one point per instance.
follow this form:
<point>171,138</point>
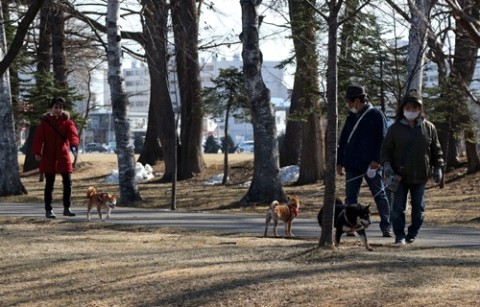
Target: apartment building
<point>137,86</point>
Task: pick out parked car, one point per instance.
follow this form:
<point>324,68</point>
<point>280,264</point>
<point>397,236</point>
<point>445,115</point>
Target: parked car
<point>95,147</point>
<point>246,146</point>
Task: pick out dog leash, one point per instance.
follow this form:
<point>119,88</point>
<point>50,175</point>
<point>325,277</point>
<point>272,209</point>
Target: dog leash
<point>364,174</point>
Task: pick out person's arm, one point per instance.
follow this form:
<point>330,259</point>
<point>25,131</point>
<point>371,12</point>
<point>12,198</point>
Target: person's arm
<point>73,138</point>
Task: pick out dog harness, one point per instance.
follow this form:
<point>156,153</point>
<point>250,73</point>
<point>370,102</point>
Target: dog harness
<point>294,209</point>
<point>100,197</point>
<point>346,220</point>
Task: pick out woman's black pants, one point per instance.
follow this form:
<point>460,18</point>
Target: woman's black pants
<point>67,190</point>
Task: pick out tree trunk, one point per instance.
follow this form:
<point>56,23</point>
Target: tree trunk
<point>266,185</point>
<point>58,48</point>
<point>126,161</point>
<point>226,145</point>
<point>10,183</point>
<point>43,66</point>
<point>290,155</point>
<point>326,236</point>
<point>417,41</point>
<point>464,61</point>
<point>185,28</point>
<point>473,163</point>
<point>305,91</point>
<point>161,118</point>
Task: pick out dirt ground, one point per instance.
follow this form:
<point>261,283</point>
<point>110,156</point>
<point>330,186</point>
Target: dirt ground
<point>61,263</point>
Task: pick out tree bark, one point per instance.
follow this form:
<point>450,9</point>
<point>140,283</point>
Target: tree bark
<point>43,66</point>
<point>464,61</point>
<point>10,183</point>
<point>159,140</point>
<point>417,41</point>
<point>326,236</point>
<point>305,93</point>
<point>126,161</point>
<point>59,61</point>
<point>266,185</point>
<point>185,28</point>
<point>227,144</point>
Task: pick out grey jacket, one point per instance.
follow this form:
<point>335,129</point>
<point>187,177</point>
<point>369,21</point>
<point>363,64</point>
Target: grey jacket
<point>424,152</point>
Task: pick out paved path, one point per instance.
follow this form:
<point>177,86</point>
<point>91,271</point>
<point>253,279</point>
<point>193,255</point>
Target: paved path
<point>248,224</point>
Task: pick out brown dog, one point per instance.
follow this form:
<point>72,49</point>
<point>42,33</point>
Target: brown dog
<point>285,212</point>
<point>100,201</point>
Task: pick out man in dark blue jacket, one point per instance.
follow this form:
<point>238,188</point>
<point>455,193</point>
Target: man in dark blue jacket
<point>359,153</point>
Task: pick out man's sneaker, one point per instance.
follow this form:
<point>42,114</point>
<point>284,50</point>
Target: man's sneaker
<point>50,215</point>
<point>68,212</point>
<point>399,242</point>
<point>410,239</point>
<point>387,233</point>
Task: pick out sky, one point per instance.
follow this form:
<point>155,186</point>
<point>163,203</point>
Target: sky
<point>224,24</point>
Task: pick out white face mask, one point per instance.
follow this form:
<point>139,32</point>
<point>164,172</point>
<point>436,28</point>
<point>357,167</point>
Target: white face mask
<point>353,110</point>
<point>371,173</point>
<point>411,115</point>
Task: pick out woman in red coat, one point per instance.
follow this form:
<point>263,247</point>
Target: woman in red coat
<point>55,136</point>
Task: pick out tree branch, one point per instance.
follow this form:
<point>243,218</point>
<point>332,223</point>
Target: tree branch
<point>22,30</point>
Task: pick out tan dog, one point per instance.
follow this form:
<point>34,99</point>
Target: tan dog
<point>285,212</point>
<point>100,201</point>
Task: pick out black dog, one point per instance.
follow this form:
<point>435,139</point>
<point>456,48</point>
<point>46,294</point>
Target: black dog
<point>350,218</point>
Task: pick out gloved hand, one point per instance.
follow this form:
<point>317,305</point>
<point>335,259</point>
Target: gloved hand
<point>437,174</point>
<point>387,170</point>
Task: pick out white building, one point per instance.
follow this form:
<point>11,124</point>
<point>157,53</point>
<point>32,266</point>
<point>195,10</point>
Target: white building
<point>137,86</point>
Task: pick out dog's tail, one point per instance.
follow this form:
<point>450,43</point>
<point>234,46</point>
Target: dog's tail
<point>91,191</point>
<point>274,204</point>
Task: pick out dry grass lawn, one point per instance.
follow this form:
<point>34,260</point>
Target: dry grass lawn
<point>62,263</point>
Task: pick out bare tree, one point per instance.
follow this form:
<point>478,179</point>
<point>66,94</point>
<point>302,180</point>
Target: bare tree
<point>126,160</point>
<point>161,129</point>
<point>326,237</point>
<point>185,28</point>
<point>266,185</point>
<point>10,183</point>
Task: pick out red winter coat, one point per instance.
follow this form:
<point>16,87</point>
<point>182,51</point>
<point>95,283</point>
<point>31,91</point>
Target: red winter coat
<point>53,140</point>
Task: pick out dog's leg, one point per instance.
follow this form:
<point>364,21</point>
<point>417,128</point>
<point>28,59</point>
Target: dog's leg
<point>99,210</point>
<point>108,213</point>
<point>88,210</point>
<point>288,228</point>
<point>275,224</point>
<point>363,236</point>
<point>268,218</point>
